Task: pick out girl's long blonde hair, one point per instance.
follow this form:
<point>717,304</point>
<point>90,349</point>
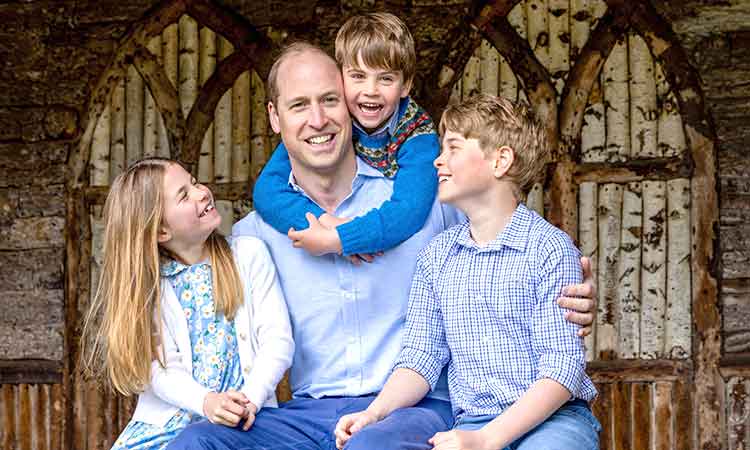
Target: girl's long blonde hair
<point>120,337</point>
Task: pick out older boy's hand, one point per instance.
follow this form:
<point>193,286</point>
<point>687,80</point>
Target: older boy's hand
<point>349,424</point>
<point>581,298</point>
<point>316,239</point>
<point>459,440</point>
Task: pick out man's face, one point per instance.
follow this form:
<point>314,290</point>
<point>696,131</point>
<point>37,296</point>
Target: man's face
<point>311,114</point>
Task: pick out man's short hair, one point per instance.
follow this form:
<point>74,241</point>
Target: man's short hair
<point>291,49</point>
<point>496,122</point>
<point>382,39</point>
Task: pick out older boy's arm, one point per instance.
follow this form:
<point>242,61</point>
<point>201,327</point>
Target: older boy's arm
<point>581,300</point>
<point>538,403</point>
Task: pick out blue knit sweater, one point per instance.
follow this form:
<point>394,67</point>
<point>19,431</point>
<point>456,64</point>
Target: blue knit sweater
<point>415,183</point>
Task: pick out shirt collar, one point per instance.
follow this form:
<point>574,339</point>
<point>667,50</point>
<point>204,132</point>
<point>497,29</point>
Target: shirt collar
<point>514,235</point>
<point>171,267</point>
<point>364,170</point>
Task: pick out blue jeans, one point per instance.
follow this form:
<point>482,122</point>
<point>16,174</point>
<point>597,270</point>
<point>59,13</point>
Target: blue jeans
<point>308,424</point>
<point>572,427</point>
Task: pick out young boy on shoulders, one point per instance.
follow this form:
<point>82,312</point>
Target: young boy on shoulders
<point>391,133</point>
<point>483,299</point>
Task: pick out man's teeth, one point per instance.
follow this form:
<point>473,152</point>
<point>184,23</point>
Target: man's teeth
<point>320,139</point>
<point>208,209</point>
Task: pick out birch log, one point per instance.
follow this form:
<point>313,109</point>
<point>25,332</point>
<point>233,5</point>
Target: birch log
<point>100,150</point>
<point>508,81</point>
<point>737,394</point>
<point>117,131</point>
<point>517,19</point>
<point>188,63</point>
<point>617,102</point>
<point>610,206</point>
<point>489,62</point>
<point>134,116</point>
<point>535,198</point>
<point>206,67</point>
<point>537,22</point>
<point>671,134</point>
<point>169,53</point>
<point>241,96</point>
<point>593,130</point>
<point>260,146</point>
<point>643,116</point>
<point>654,270</point>
<point>471,81</point>
<point>579,26</point>
<point>589,242</point>
<point>225,210</point>
<point>678,317</point>
<point>97,247</point>
<point>629,273</point>
<point>223,125</point>
<point>559,42</point>
<point>150,114</point>
<point>455,97</point>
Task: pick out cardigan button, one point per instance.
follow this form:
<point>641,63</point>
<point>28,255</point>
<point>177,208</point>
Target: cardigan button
<point>246,370</point>
<point>242,336</point>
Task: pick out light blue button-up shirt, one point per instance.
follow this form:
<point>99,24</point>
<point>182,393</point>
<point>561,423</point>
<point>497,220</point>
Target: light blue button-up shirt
<point>347,320</point>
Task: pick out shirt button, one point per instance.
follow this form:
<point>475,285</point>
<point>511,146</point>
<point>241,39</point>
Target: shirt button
<point>246,370</point>
<point>242,336</point>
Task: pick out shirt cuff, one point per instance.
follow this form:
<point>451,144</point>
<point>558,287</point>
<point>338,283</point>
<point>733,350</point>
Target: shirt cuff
<point>421,362</point>
<point>566,370</point>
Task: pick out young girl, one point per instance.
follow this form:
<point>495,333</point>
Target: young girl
<point>197,327</point>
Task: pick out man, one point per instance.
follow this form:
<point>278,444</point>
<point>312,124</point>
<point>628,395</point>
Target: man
<point>347,320</point>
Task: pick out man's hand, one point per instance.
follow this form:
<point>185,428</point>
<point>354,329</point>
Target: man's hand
<point>316,239</point>
<point>250,411</point>
<point>225,408</point>
<point>581,298</point>
<point>459,440</point>
<point>349,424</point>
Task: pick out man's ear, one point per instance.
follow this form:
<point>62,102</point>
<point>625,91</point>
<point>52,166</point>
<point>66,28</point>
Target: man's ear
<point>273,118</point>
<point>503,158</point>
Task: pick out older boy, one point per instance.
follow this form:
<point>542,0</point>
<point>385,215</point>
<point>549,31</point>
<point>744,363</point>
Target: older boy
<point>483,300</point>
<point>390,133</point>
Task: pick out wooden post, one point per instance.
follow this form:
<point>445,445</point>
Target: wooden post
<point>241,98</point>
<point>117,132</point>
<point>134,116</point>
<point>150,112</point>
<point>643,115</point>
<point>678,320</point>
<point>629,273</point>
<point>610,206</point>
<point>471,82</point>
<point>559,42</point>
<point>260,146</point>
<point>653,273</point>
<point>671,134</point>
<point>617,103</point>
<point>100,151</point>
<point>207,65</point>
<point>588,232</point>
<point>593,130</point>
<point>489,62</point>
<point>223,125</point>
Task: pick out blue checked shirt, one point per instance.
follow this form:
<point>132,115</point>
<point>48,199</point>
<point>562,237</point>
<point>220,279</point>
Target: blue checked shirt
<point>490,314</point>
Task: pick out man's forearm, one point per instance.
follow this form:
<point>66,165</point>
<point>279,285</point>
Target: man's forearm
<point>404,388</point>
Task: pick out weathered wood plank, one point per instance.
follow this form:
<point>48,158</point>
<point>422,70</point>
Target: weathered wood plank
<point>8,424</point>
<point>622,423</point>
<point>23,414</point>
<point>57,403</point>
<point>610,207</point>
<point>602,409</point>
<point>641,399</point>
<point>663,416</point>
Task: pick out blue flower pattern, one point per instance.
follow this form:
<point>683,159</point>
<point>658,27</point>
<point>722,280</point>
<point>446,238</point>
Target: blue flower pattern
<point>216,362</point>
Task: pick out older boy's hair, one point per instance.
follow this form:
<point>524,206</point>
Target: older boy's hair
<point>382,39</point>
<point>293,48</point>
<point>496,122</point>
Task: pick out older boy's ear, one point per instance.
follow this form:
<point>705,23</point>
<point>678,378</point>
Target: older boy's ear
<point>273,118</point>
<point>503,160</point>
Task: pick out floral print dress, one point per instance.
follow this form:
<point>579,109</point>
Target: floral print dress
<point>216,362</point>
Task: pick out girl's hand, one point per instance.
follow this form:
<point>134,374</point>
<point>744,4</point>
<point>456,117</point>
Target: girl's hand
<point>225,408</point>
<point>459,440</point>
<point>250,411</point>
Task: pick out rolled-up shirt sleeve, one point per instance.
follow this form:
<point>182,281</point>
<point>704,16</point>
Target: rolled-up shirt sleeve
<point>424,348</point>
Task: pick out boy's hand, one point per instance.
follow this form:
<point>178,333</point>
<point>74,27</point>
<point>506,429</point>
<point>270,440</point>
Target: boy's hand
<point>459,440</point>
<point>250,411</point>
<point>349,424</point>
<point>581,298</point>
<point>225,408</point>
<point>316,239</point>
